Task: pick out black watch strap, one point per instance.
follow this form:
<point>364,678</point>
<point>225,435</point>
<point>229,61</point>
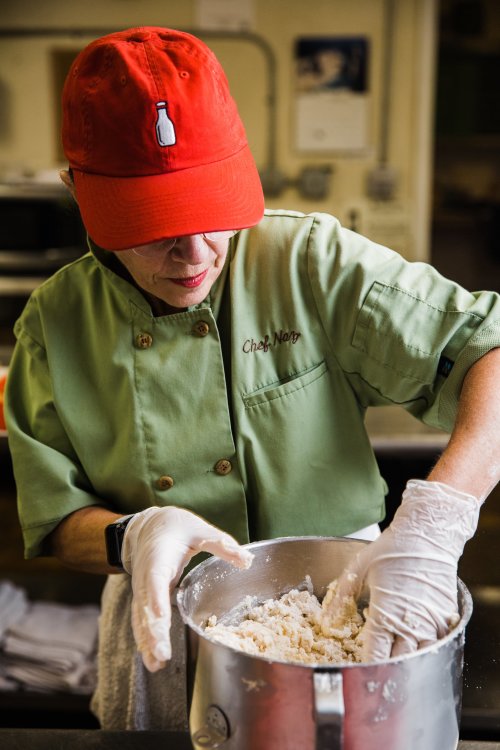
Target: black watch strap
<point>114,534</point>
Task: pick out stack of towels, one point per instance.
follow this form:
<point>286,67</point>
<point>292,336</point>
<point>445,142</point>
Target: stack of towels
<point>46,646</point>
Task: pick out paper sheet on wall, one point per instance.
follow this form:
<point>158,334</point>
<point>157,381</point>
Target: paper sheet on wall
<point>331,103</point>
<point>229,15</point>
<point>331,122</point>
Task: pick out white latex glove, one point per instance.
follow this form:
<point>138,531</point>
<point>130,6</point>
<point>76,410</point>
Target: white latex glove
<point>157,545</point>
<point>411,571</point>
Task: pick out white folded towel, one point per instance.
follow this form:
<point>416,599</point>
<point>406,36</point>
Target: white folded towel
<point>40,677</point>
<point>51,647</point>
<point>6,684</point>
<point>13,605</point>
<point>64,628</point>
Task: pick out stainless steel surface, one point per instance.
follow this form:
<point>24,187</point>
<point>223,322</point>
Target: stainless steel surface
<point>409,702</point>
<point>215,730</point>
<point>329,709</point>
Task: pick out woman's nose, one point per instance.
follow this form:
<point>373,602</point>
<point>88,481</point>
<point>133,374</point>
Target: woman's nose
<point>192,250</point>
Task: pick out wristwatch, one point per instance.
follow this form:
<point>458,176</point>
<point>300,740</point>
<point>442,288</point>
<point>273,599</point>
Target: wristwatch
<point>114,534</point>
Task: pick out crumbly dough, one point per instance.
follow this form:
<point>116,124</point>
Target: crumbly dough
<point>294,628</point>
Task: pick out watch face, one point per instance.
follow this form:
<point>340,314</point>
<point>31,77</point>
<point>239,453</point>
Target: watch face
<point>114,539</point>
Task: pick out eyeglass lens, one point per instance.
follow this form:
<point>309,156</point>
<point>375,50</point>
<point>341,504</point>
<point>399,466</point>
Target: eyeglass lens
<point>149,251</point>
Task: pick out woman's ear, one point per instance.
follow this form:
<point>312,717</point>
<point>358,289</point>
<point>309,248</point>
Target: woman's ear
<point>66,178</point>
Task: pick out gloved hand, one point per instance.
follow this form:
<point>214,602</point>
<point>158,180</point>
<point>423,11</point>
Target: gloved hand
<point>157,545</point>
<point>411,571</point>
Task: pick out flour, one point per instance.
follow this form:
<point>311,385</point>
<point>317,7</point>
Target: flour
<point>293,628</point>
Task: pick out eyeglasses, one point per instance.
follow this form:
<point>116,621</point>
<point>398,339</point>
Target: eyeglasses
<point>150,251</point>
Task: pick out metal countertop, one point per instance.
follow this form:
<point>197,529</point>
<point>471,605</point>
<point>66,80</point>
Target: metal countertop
<point>95,739</point>
<point>92,739</point>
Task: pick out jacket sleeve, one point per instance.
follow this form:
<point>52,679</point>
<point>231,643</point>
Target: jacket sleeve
<point>402,333</point>
<point>50,480</point>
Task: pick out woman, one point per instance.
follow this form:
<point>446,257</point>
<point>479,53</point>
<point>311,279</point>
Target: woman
<point>199,379</point>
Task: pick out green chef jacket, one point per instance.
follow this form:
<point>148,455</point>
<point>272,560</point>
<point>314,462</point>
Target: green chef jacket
<point>249,407</point>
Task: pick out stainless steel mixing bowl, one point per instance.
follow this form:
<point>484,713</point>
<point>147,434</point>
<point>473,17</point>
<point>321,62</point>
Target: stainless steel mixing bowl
<point>243,702</point>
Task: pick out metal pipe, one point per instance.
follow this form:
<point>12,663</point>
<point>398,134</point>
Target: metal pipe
<point>385,99</point>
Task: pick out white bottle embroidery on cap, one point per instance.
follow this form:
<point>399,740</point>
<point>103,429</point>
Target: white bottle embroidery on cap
<point>165,131</point>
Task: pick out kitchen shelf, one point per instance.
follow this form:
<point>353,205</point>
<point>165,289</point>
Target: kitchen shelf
<point>6,353</point>
<point>44,261</point>
<point>401,444</point>
<point>82,739</point>
<point>30,189</point>
<point>75,739</point>
<point>19,285</point>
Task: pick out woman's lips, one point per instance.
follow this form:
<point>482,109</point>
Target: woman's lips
<point>191,281</point>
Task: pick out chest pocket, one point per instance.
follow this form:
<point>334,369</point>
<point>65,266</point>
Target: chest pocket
<point>285,387</point>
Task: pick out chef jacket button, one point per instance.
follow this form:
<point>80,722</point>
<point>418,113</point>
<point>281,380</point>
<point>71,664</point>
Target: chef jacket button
<point>140,36</point>
<point>201,328</point>
<point>164,482</point>
<point>223,467</point>
<point>143,340</point>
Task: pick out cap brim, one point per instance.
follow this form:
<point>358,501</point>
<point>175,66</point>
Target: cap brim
<point>125,212</point>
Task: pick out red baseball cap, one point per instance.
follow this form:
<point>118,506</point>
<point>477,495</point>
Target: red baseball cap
<point>155,141</point>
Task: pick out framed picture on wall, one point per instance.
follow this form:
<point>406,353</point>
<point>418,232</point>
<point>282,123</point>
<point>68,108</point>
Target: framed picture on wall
<point>331,94</point>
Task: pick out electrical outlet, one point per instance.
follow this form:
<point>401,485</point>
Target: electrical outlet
<point>381,183</point>
<point>274,181</point>
<point>314,182</point>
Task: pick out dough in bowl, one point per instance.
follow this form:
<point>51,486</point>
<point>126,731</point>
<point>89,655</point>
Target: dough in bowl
<point>293,628</point>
